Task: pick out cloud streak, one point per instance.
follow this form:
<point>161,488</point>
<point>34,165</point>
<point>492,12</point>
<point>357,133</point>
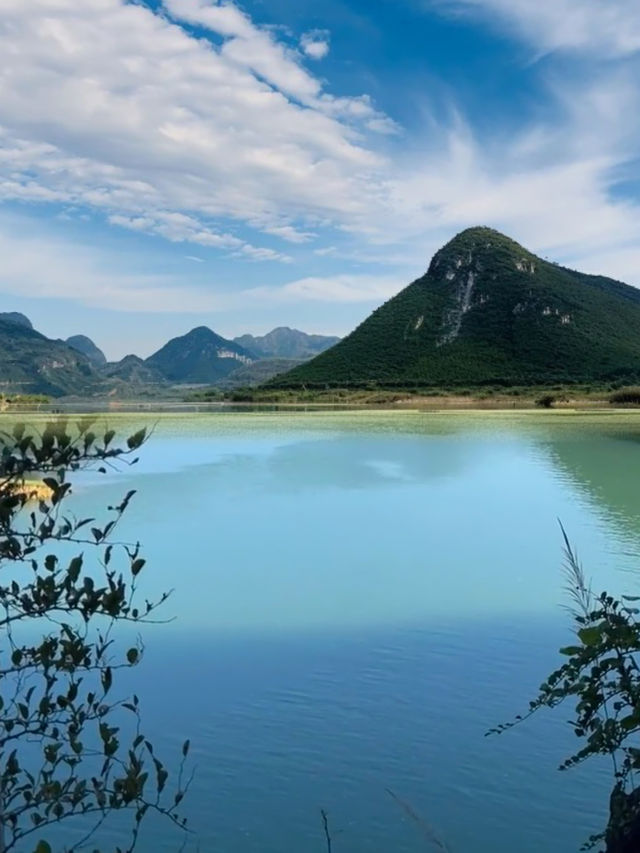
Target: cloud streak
<point>609,28</point>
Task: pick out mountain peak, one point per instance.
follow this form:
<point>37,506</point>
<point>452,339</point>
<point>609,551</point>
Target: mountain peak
<point>16,318</point>
<point>83,344</point>
<point>284,342</point>
<point>470,246</point>
<point>199,357</point>
<point>487,312</point>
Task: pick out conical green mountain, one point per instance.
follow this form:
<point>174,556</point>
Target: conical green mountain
<point>488,312</point>
<point>201,356</point>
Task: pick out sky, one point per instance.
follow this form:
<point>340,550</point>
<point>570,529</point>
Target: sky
<point>166,164</point>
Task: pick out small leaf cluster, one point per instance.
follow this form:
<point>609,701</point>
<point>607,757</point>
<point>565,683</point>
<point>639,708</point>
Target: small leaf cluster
<point>601,677</point>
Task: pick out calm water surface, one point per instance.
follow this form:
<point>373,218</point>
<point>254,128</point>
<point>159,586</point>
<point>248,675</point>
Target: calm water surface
<point>358,598</point>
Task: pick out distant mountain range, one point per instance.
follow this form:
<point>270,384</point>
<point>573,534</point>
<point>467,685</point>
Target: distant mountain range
<point>30,363</point>
<point>286,343</point>
<point>488,312</point>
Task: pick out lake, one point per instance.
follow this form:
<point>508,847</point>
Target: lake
<point>358,597</point>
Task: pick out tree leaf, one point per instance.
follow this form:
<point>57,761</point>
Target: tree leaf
<point>590,636</point>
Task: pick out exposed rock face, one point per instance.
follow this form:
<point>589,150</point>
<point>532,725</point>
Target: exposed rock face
<point>453,318</point>
<point>86,346</point>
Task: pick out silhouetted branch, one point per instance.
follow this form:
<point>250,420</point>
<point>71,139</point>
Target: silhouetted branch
<point>427,831</point>
<point>325,824</point>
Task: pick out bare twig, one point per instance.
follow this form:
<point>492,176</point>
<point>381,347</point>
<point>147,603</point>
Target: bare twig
<point>325,825</point>
<point>426,830</point>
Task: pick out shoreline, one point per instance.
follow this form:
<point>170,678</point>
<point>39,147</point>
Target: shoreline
<point>435,405</point>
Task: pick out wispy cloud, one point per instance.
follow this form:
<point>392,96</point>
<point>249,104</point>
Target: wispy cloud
<point>605,27</point>
<point>331,289</point>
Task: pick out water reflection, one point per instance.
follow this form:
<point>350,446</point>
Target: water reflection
<point>288,523</point>
<point>357,600</point>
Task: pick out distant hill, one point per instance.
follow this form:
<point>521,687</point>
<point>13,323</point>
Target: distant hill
<point>133,370</point>
<point>250,375</point>
<point>85,345</point>
<point>17,318</point>
<point>33,364</point>
<point>286,343</point>
<point>199,357</point>
<point>488,312</point>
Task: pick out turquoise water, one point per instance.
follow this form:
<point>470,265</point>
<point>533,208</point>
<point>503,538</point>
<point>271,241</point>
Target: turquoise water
<point>357,599</point>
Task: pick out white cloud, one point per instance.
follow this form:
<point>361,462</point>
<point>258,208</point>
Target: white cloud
<point>315,44</point>
<point>333,289</point>
<point>551,186</point>
<point>107,105</point>
<point>607,27</point>
<point>249,46</point>
<point>180,228</point>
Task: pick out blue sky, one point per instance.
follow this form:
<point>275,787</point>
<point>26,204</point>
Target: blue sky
<point>171,163</point>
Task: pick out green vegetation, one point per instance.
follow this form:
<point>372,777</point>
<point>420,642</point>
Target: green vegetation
<point>198,357</point>
<point>601,676</point>
<point>591,395</point>
<point>133,371</point>
<point>488,313</point>
<point>6,401</point>
<point>64,749</point>
<point>250,375</point>
<point>16,317</point>
<point>33,364</point>
<point>626,397</point>
<point>86,346</point>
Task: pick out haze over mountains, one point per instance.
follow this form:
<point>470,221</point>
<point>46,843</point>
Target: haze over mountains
<point>286,343</point>
<point>30,363</point>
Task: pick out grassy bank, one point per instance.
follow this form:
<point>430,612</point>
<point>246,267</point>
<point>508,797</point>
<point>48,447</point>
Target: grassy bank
<point>562,397</point>
<point>559,396</point>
